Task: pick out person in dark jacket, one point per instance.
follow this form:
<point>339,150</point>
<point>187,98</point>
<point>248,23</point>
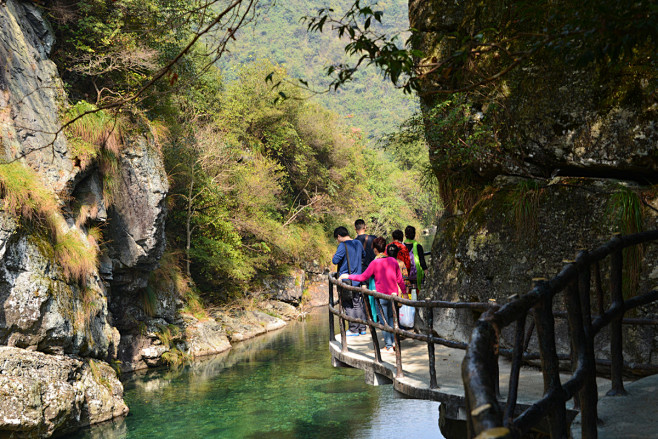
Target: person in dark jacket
<point>349,260</point>
<point>365,240</point>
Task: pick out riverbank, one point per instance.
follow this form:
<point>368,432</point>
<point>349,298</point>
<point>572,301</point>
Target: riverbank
<point>160,341</point>
<point>277,385</point>
<point>51,394</point>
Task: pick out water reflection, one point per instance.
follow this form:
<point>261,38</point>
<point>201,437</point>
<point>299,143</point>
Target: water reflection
<point>279,385</point>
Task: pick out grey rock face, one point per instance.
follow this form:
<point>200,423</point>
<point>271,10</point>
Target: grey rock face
<point>483,255</point>
<point>40,309</point>
<point>31,94</point>
<point>205,337</point>
<point>558,117</point>
<point>137,218</point>
<point>54,394</point>
<point>286,288</point>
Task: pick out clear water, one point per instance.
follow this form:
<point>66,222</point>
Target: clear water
<point>280,385</point>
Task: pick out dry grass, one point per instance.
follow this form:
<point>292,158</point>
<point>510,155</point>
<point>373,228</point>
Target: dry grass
<point>97,137</point>
<point>86,212</point>
<point>95,236</point>
<point>25,196</point>
<point>170,275</point>
<point>94,131</point>
<point>77,258</point>
<point>109,167</point>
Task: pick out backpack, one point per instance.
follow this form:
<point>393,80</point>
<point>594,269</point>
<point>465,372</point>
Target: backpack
<point>413,272</point>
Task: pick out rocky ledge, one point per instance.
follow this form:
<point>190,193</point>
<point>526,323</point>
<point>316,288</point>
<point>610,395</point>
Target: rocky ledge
<point>43,394</point>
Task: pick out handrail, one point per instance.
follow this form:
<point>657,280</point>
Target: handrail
<point>479,367</point>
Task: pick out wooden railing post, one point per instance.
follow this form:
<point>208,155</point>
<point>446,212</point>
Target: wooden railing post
<point>616,352</point>
<point>576,336</point>
<point>430,346</point>
<point>396,337</point>
<point>588,394</point>
<point>341,320</point>
<point>332,330</point>
<point>517,361</point>
<point>545,324</point>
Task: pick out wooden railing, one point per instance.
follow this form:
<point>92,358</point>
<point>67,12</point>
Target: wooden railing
<point>485,416</point>
<point>480,366</point>
<point>396,330</point>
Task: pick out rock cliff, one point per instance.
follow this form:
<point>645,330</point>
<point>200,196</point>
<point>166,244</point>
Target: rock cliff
<point>53,321</point>
<point>559,143</point>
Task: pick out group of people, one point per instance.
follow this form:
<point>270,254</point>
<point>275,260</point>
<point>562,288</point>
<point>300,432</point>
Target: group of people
<point>392,269</point>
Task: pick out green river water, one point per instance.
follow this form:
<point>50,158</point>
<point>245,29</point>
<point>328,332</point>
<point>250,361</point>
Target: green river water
<point>280,385</point>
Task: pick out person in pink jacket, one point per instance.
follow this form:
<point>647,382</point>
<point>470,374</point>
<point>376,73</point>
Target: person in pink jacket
<point>388,280</point>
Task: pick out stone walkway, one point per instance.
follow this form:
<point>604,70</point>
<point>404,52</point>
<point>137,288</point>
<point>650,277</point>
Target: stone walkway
<point>415,382</point>
<point>633,416</point>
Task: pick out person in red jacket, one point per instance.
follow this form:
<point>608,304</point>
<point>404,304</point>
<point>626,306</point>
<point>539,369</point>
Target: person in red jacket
<point>403,254</point>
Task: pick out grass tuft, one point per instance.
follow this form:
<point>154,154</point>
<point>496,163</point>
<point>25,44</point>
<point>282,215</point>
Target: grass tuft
<point>97,136</point>
<point>24,195</point>
<point>149,300</point>
<point>94,131</point>
<point>169,275</point>
<point>626,212</point>
<point>77,258</point>
<point>525,208</point>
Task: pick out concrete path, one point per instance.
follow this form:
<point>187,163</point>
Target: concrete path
<point>415,382</point>
<point>633,416</point>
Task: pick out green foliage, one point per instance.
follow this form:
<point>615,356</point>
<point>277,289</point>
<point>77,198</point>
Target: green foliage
<point>524,205</point>
<point>370,102</point>
<point>367,44</point>
<point>169,335</point>
<point>113,47</point>
<point>174,357</point>
<point>257,183</point>
<point>263,181</point>
<point>626,212</point>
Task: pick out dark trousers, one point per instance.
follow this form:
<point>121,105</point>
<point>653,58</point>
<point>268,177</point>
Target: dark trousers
<point>354,309</point>
<point>387,307</point>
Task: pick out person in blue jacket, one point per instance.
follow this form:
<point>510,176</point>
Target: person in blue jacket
<point>348,258</point>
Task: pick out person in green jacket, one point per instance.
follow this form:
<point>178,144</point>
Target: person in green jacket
<point>419,253</point>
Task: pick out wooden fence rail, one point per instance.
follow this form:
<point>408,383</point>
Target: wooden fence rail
<point>480,365</point>
<point>485,415</point>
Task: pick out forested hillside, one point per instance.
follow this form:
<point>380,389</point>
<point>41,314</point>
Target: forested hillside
<point>279,34</point>
<point>257,183</point>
